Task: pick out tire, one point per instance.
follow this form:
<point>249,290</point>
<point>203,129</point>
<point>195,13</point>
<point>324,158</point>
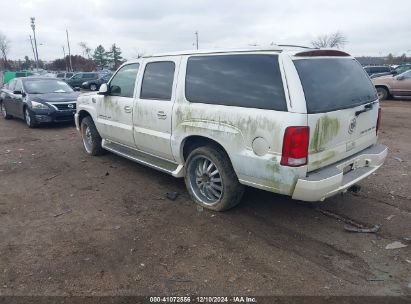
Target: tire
<point>91,138</point>
<point>29,118</point>
<point>4,111</point>
<point>382,93</point>
<point>210,179</point>
<point>93,87</point>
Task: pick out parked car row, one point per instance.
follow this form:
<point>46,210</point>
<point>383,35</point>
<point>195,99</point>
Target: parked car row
<point>378,71</point>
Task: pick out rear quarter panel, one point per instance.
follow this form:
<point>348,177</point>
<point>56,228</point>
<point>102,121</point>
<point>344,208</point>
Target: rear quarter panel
<point>235,129</point>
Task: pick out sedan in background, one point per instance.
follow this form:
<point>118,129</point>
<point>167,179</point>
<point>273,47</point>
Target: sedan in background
<point>94,85</point>
<point>393,86</point>
<point>38,100</point>
<point>78,79</point>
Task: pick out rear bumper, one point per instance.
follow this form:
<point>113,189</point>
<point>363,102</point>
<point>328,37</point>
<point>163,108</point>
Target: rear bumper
<point>328,181</point>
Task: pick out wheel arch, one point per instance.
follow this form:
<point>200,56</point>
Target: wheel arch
<point>83,114</point>
<point>192,142</point>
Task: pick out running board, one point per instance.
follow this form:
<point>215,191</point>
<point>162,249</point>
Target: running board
<point>140,157</point>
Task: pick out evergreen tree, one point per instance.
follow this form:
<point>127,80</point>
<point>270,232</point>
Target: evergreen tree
<point>100,56</point>
<point>114,56</point>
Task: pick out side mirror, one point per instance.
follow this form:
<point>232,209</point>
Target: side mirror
<point>17,92</point>
<point>103,89</point>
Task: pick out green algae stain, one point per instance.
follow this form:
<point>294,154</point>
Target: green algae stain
<point>325,129</point>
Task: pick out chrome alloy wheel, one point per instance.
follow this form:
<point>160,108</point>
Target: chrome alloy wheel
<point>87,139</point>
<point>205,180</point>
<point>27,117</point>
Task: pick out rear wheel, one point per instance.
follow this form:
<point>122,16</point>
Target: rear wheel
<point>211,180</point>
<point>91,137</point>
<point>29,118</point>
<point>4,111</point>
<point>382,93</point>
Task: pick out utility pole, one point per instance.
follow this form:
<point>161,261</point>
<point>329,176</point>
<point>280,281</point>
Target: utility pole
<point>65,59</point>
<point>196,33</point>
<point>33,27</point>
<point>68,45</point>
<point>32,47</point>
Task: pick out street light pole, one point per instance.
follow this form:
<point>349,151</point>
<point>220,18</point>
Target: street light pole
<point>33,27</point>
<point>196,33</point>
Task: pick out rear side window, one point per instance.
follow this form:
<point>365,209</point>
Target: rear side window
<point>158,80</point>
<point>332,84</point>
<point>251,81</point>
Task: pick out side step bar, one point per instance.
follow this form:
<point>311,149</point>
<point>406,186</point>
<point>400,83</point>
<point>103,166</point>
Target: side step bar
<point>140,157</point>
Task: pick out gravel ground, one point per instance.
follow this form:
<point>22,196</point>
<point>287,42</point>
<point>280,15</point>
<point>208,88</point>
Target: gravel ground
<point>71,224</point>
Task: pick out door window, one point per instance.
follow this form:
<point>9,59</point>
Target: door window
<point>18,86</point>
<point>124,81</point>
<point>158,80</point>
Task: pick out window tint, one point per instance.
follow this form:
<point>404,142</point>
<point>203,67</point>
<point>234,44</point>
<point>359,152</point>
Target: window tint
<point>20,74</point>
<point>252,81</point>
<point>124,81</point>
<point>158,80</point>
<point>12,83</point>
<point>61,75</point>
<point>18,86</point>
<point>332,84</point>
<point>68,75</point>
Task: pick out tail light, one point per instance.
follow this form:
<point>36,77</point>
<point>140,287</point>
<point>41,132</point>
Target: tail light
<point>295,146</point>
<point>377,127</point>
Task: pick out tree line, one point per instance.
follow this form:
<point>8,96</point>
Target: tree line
<point>90,60</point>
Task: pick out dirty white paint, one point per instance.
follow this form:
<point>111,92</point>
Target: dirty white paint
<point>252,138</point>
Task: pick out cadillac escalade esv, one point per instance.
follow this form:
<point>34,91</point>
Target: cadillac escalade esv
<point>299,122</point>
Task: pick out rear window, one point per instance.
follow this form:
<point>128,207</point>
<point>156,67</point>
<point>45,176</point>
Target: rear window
<point>251,81</point>
<point>332,84</point>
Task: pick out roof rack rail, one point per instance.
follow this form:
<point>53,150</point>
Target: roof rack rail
<point>294,45</point>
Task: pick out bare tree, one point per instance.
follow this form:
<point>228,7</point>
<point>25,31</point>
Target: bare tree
<point>333,40</point>
<point>86,49</point>
<point>4,47</point>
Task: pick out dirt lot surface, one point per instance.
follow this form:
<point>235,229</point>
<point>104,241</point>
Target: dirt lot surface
<point>74,224</point>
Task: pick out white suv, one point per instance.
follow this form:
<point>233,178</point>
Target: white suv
<point>299,122</point>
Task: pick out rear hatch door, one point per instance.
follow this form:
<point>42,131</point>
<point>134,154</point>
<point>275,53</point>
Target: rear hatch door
<point>342,108</point>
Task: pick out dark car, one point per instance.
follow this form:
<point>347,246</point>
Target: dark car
<point>376,71</point>
<point>94,85</point>
<point>401,69</point>
<point>78,78</point>
<point>65,75</point>
<point>38,100</point>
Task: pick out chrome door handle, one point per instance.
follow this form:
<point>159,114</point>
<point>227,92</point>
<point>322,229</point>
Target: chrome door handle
<point>161,115</point>
<point>127,109</point>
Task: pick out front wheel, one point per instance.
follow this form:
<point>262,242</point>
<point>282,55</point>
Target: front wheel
<point>4,111</point>
<point>93,87</point>
<point>91,137</point>
<point>382,93</point>
<point>29,118</point>
<point>211,180</point>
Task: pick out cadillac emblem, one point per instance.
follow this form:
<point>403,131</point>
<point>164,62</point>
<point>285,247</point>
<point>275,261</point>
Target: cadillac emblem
<point>353,125</point>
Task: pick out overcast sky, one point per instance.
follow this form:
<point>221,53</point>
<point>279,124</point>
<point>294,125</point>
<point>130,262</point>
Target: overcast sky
<point>372,27</point>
